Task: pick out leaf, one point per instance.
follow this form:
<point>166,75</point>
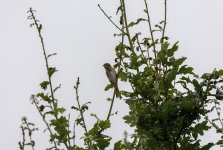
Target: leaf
<point>207,146</point>
<point>50,55</point>
<point>173,50</point>
<point>200,128</point>
<point>220,142</point>
<point>219,94</point>
<point>44,84</point>
<point>58,87</point>
<point>109,86</point>
<point>136,22</point>
<point>179,61</point>
<point>186,70</point>
<point>104,124</point>
<point>44,97</point>
<point>51,71</point>
<point>205,75</point>
<point>123,76</point>
<point>41,108</point>
<point>118,145</point>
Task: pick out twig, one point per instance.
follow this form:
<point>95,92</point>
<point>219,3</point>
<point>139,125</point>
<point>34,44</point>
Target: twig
<point>119,67</point>
<point>218,113</point>
<point>34,100</point>
<point>22,144</point>
<point>140,48</point>
<point>109,18</point>
<point>81,110</point>
<point>165,17</point>
<point>29,133</point>
<point>111,106</point>
<point>150,28</point>
<point>68,129</point>
<point>39,27</point>
<point>126,25</point>
<point>74,134</point>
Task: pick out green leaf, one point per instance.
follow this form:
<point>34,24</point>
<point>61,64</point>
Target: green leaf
<point>104,124</point>
<point>109,86</point>
<point>123,76</point>
<point>220,142</point>
<point>172,50</point>
<point>207,146</point>
<point>200,128</point>
<point>44,97</point>
<point>50,55</point>
<point>136,22</point>
<point>219,94</point>
<point>179,61</point>
<point>44,85</point>
<point>118,145</point>
<point>186,70</point>
<point>51,71</point>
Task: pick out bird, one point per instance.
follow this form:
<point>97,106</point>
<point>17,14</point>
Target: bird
<point>112,77</point>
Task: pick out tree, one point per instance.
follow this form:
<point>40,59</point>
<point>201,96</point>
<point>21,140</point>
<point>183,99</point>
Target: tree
<point>167,101</point>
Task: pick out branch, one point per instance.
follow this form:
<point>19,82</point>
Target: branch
<point>39,28</point>
<point>150,28</point>
<point>109,18</point>
<point>34,100</point>
<point>81,110</point>
<point>165,18</point>
<point>119,67</point>
<point>111,106</point>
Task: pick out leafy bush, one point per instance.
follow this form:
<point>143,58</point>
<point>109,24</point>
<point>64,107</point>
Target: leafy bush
<point>167,101</point>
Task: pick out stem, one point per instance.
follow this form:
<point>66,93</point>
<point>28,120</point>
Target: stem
<point>126,25</point>
<point>218,113</point>
<point>109,18</point>
<point>22,144</point>
<point>119,67</point>
<point>111,106</point>
<point>38,27</point>
<point>150,28</point>
<point>81,110</point>
<point>165,18</point>
<point>68,129</point>
<point>140,48</point>
<point>34,100</point>
<point>29,133</point>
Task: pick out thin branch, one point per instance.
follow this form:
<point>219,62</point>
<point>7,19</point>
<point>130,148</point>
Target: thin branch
<point>119,67</point>
<point>34,100</point>
<point>126,25</point>
<point>165,18</point>
<point>150,28</point>
<point>22,144</point>
<point>140,48</point>
<point>81,110</point>
<point>74,134</point>
<point>111,106</point>
<point>68,129</point>
<point>109,18</point>
<point>219,114</point>
<point>29,133</point>
<point>39,27</point>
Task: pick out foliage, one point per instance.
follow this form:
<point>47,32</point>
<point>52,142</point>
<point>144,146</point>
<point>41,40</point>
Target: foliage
<point>167,104</point>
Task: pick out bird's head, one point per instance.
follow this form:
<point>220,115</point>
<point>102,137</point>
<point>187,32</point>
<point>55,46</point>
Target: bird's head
<point>107,66</point>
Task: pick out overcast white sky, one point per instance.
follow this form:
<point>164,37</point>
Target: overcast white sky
<point>83,39</point>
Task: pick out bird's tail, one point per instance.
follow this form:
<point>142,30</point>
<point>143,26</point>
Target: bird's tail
<point>117,93</point>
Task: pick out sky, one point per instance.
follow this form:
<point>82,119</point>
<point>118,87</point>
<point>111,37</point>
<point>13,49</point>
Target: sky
<point>83,39</point>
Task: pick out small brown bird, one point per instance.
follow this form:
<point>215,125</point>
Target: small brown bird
<point>112,77</point>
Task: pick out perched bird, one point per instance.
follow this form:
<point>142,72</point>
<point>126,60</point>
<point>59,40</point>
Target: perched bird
<point>112,77</point>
